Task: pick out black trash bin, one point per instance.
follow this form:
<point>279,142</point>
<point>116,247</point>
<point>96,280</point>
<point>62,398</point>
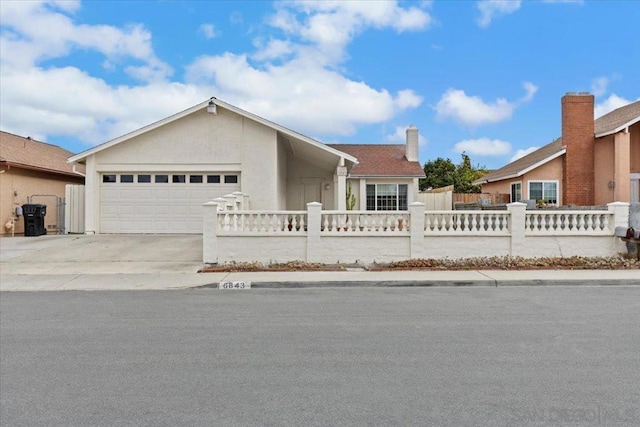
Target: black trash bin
<point>34,219</point>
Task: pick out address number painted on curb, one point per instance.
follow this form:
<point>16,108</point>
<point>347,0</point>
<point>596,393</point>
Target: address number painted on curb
<point>234,285</point>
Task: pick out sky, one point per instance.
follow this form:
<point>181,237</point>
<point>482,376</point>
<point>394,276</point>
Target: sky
<point>480,77</point>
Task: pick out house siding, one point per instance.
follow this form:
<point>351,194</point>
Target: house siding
<point>604,165</point>
<point>28,183</point>
<point>550,171</point>
<point>199,142</point>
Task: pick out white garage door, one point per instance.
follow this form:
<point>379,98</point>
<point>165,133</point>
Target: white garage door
<point>159,202</point>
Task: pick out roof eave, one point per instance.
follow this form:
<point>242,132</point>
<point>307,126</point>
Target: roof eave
<point>525,170</point>
<point>40,169</point>
<point>202,105</point>
<point>619,128</point>
<point>385,176</point>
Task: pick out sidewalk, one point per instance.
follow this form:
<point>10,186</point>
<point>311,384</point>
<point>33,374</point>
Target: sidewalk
<point>142,262</point>
<point>165,281</point>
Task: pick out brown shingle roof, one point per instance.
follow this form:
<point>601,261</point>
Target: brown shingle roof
<point>380,160</point>
<point>516,167</point>
<point>603,125</point>
<point>618,117</point>
<point>27,153</point>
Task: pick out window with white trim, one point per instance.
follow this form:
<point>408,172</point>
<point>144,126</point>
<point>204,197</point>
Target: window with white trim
<point>387,197</point>
<point>547,191</point>
<point>516,191</point>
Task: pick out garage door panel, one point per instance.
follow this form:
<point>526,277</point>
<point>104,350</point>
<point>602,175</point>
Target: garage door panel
<point>156,207</point>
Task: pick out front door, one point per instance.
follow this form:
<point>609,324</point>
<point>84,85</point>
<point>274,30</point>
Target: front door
<point>311,194</point>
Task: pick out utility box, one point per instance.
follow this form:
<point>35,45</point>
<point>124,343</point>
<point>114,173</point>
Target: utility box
<point>34,219</point>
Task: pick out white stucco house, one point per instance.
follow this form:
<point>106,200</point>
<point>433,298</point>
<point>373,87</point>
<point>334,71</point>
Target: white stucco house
<point>155,179</point>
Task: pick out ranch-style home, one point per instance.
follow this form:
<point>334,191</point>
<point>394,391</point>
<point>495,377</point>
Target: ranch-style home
<point>594,162</point>
<point>156,179</point>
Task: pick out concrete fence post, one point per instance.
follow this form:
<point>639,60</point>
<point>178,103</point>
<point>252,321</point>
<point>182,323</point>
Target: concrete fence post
<point>314,219</point>
<point>518,213</point>
<point>620,212</point>
<point>210,232</point>
<point>416,228</point>
<point>239,200</point>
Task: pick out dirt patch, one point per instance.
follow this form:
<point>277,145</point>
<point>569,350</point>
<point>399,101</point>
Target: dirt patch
<point>488,263</point>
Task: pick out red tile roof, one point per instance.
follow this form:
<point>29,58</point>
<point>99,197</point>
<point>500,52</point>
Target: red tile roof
<point>27,153</point>
<point>380,160</point>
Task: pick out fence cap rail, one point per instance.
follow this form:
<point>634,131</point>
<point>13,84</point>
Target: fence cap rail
<point>263,212</point>
<point>366,212</point>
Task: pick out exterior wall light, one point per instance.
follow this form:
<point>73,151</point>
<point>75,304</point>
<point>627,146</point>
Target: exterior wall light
<point>211,108</point>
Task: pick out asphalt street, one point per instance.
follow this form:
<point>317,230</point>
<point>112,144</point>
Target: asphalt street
<point>351,356</point>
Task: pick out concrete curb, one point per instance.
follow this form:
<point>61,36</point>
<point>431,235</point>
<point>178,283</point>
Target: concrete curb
<point>429,284</point>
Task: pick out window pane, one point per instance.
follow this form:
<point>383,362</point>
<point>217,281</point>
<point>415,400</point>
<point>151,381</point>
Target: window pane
<point>162,179</point>
<point>108,178</point>
<point>213,179</point>
<point>516,192</point>
<point>231,179</point>
<point>403,190</point>
<point>371,197</point>
<point>126,178</point>
<point>386,197</point>
<point>550,192</point>
<point>178,179</point>
<point>195,179</point>
<point>535,190</point>
<point>144,178</point>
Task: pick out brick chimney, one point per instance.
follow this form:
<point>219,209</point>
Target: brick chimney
<point>412,144</point>
<point>578,136</point>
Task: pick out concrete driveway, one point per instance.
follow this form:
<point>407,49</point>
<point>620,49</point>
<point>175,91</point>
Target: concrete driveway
<point>102,254</point>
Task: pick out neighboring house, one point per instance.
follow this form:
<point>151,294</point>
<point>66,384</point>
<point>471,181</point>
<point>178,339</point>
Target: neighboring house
<point>36,170</point>
<point>594,162</point>
<point>155,179</point>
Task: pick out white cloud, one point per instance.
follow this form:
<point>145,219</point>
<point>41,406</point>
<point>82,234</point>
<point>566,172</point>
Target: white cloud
<point>273,49</point>
<point>305,89</point>
<point>531,90</point>
<point>331,25</point>
<point>611,103</point>
<point>299,94</point>
<point>483,147</point>
<point>489,9</point>
<point>399,136</point>
<point>599,86</point>
<point>208,31</point>
<point>34,31</point>
<point>522,152</point>
<point>473,111</point>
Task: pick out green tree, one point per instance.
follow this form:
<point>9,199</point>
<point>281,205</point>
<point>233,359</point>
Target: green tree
<point>466,174</point>
<point>442,172</point>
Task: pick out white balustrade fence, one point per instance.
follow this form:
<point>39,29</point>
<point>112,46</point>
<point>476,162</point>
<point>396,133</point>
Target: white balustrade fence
<point>466,222</point>
<point>568,223</point>
<point>381,222</point>
<point>383,236</point>
<point>251,222</point>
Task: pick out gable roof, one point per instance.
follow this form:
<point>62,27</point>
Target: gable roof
<point>380,160</point>
<point>610,123</point>
<point>618,119</point>
<point>198,107</point>
<point>26,153</point>
<point>526,163</point>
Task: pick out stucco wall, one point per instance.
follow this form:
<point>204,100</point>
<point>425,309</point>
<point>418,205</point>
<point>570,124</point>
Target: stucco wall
<point>635,148</point>
<point>549,171</point>
<point>27,183</point>
<point>299,173</point>
<point>603,170</point>
<point>199,142</point>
